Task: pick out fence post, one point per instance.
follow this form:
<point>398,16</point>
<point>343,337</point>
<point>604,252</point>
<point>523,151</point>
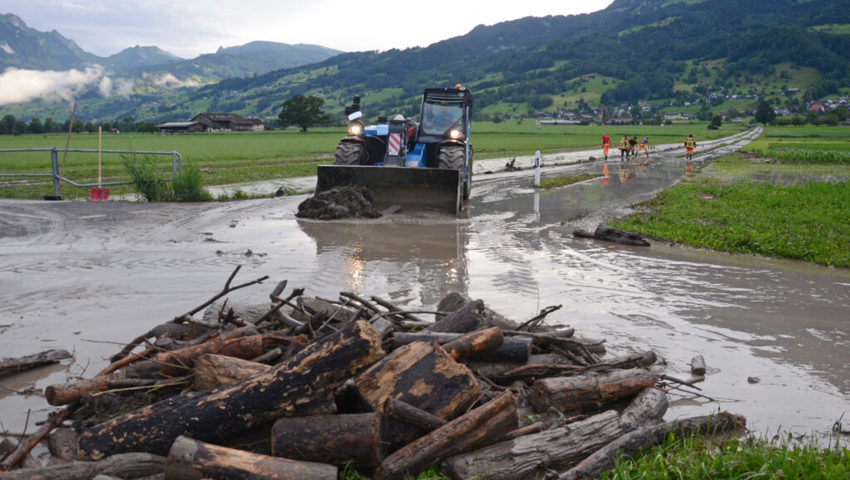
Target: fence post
<point>54,161</point>
<point>537,168</point>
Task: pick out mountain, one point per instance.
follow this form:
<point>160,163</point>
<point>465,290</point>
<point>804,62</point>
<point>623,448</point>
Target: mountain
<point>245,60</point>
<point>26,48</point>
<point>659,54</point>
<point>136,58</point>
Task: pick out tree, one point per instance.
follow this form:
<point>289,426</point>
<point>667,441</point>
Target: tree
<point>717,121</point>
<point>35,126</point>
<point>764,112</point>
<point>303,112</point>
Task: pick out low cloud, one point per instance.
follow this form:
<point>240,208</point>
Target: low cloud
<point>168,80</point>
<point>18,85</point>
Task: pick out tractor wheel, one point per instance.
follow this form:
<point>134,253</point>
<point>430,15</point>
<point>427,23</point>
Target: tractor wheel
<point>451,156</point>
<point>467,183</point>
<point>348,153</point>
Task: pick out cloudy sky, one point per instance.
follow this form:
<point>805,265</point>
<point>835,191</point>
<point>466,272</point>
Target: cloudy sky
<point>190,28</point>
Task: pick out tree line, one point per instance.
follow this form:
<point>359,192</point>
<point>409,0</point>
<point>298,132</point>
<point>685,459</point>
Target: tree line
<point>10,125</point>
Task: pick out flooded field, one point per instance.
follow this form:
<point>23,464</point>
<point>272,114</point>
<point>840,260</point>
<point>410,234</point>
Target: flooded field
<point>89,277</point>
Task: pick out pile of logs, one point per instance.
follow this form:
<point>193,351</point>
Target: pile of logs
<point>305,387</point>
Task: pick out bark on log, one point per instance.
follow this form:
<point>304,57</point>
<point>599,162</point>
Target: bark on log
<point>406,413</point>
<point>481,426</point>
<point>698,366</point>
<point>588,391</point>
<point>454,301</point>
<point>301,385</point>
<point>127,465</point>
<point>464,320</point>
<point>530,456</point>
<point>11,366</point>
<point>512,349</point>
<point>536,371</point>
<point>213,370</point>
<point>422,375</point>
<point>334,439</point>
<point>494,369</point>
<point>647,408</point>
<point>474,342</point>
<point>62,443</point>
<point>644,438</point>
<point>191,459</point>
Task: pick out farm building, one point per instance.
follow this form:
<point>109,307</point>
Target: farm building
<point>228,122</point>
<point>170,128</point>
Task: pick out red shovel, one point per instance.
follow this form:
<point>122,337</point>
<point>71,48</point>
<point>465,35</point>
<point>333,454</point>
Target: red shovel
<point>99,194</point>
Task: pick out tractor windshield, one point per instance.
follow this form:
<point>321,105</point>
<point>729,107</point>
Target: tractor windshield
<point>439,117</point>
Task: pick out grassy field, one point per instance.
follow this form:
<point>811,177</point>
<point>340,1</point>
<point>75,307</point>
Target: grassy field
<point>693,457</point>
<point>226,158</point>
<point>747,203</point>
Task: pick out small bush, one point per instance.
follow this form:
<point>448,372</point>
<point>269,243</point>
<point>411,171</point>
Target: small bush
<point>149,184</point>
<point>188,186</point>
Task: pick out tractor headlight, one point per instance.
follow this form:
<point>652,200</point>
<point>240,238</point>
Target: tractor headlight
<point>455,134</point>
<point>355,129</point>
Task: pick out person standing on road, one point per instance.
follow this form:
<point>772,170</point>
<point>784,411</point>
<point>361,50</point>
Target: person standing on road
<point>606,142</point>
<point>633,146</point>
<point>644,145</point>
<point>624,147</point>
<point>690,145</point>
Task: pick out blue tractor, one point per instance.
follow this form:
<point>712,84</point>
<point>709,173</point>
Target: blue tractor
<point>424,164</point>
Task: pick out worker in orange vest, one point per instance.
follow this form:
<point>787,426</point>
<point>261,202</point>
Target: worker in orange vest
<point>606,142</point>
<point>690,145</point>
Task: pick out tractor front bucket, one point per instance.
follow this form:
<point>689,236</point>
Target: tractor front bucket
<point>409,187</point>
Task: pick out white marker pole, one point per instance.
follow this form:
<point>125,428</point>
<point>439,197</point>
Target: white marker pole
<point>537,168</point>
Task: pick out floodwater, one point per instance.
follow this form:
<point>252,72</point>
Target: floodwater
<point>90,277</point>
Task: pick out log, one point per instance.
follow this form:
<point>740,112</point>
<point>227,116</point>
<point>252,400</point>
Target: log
<point>11,366</point>
<point>604,232</point>
<point>422,375</point>
<point>512,349</point>
<point>481,426</point>
<point>646,437</point>
<point>535,371</point>
<point>465,319</point>
<point>62,443</point>
<point>191,459</point>
<point>588,391</point>
<point>334,439</point>
<point>300,385</point>
<point>411,415</point>
<point>176,362</point>
<point>474,342</point>
<point>127,465</point>
<point>454,301</point>
<point>698,366</point>
<point>647,408</point>
<point>212,370</point>
<point>495,369</point>
<point>531,456</point>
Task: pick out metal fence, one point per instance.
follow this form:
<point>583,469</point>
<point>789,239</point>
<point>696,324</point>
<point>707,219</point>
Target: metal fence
<point>176,166</point>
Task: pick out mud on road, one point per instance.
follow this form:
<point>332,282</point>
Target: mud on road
<point>88,277</point>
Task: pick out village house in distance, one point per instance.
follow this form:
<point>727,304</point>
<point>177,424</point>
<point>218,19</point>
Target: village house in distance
<point>213,122</point>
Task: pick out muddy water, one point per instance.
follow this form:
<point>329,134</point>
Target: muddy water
<point>90,277</point>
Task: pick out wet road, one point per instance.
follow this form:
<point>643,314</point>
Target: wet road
<point>90,277</point>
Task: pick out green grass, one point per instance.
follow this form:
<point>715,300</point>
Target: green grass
<point>228,158</point>
<point>805,222</point>
<point>696,457</point>
<point>560,181</point>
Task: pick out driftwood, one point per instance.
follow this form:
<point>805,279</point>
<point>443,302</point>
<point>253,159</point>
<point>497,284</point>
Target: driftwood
<point>481,426</point>
<point>604,232</point>
<point>190,459</point>
<point>474,342</point>
<point>698,366</point>
<point>422,375</point>
<point>334,439</point>
<point>541,370</point>
<point>531,456</point>
<point>512,349</point>
<point>212,370</point>
<point>11,366</point>
<point>301,385</point>
<point>647,408</point>
<point>643,438</point>
<point>463,320</point>
<point>27,444</point>
<point>406,413</point>
<point>588,391</point>
<point>233,343</point>
<point>126,465</point>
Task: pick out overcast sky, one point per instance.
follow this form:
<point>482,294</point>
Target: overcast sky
<point>190,28</point>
